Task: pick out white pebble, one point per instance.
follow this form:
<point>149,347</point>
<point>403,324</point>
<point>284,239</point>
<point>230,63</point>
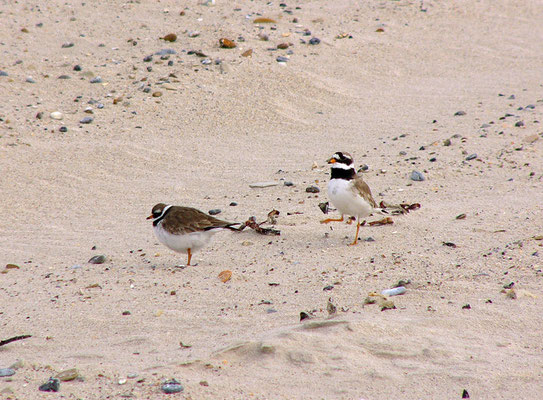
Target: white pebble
<point>56,115</point>
<point>394,291</point>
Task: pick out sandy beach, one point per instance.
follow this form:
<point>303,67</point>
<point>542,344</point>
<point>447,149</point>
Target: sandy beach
<point>101,118</point>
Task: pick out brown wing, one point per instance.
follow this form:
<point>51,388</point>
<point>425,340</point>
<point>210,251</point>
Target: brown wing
<point>362,188</point>
<point>187,219</point>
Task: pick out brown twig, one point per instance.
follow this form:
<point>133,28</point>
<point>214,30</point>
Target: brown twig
<point>13,339</point>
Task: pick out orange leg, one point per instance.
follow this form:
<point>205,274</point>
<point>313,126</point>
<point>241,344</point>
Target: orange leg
<point>325,221</point>
<point>190,256</point>
<point>357,230</point>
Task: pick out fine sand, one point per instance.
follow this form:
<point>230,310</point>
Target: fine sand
<point>383,84</point>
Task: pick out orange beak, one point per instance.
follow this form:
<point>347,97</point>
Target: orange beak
<point>331,161</point>
<point>149,217</point>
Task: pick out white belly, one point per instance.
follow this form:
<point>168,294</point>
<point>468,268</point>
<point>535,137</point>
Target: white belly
<point>346,200</point>
<point>181,243</point>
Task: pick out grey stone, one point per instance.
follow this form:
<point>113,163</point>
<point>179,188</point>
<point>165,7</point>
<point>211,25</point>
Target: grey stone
<point>99,259</point>
<point>417,176</point>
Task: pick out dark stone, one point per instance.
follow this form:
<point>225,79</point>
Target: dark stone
<point>519,124</point>
<point>52,385</point>
<point>171,386</point>
<point>312,189</point>
<point>215,211</point>
<point>233,204</point>
<point>148,59</point>
<point>471,157</point>
<point>63,129</point>
<point>77,68</point>
<point>281,59</point>
<point>459,113</point>
<point>329,287</point>
<point>314,41</point>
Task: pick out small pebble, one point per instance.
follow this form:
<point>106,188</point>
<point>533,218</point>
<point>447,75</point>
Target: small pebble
<point>170,37</point>
<point>64,77</point>
<point>214,211</point>
<point>288,183</point>
<point>447,142</point>
<point>67,45</point>
<point>6,372</point>
<point>86,120</point>
<point>77,67</point>
<point>3,73</point>
<point>233,204</point>
<point>30,80</point>
<point>56,115</point>
<point>459,113</point>
<point>148,59</point>
<point>68,375</point>
<point>262,36</point>
<point>394,291</point>
<point>127,313</point>
<point>157,94</point>
<point>63,129</point>
<point>417,176</point>
<point>314,41</point>
<point>519,124</point>
<point>471,157</point>
<point>52,385</point>
<point>99,259</point>
<point>312,189</point>
<point>172,386</point>
<point>227,43</point>
<point>96,80</point>
<point>282,59</point>
<point>193,34</point>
